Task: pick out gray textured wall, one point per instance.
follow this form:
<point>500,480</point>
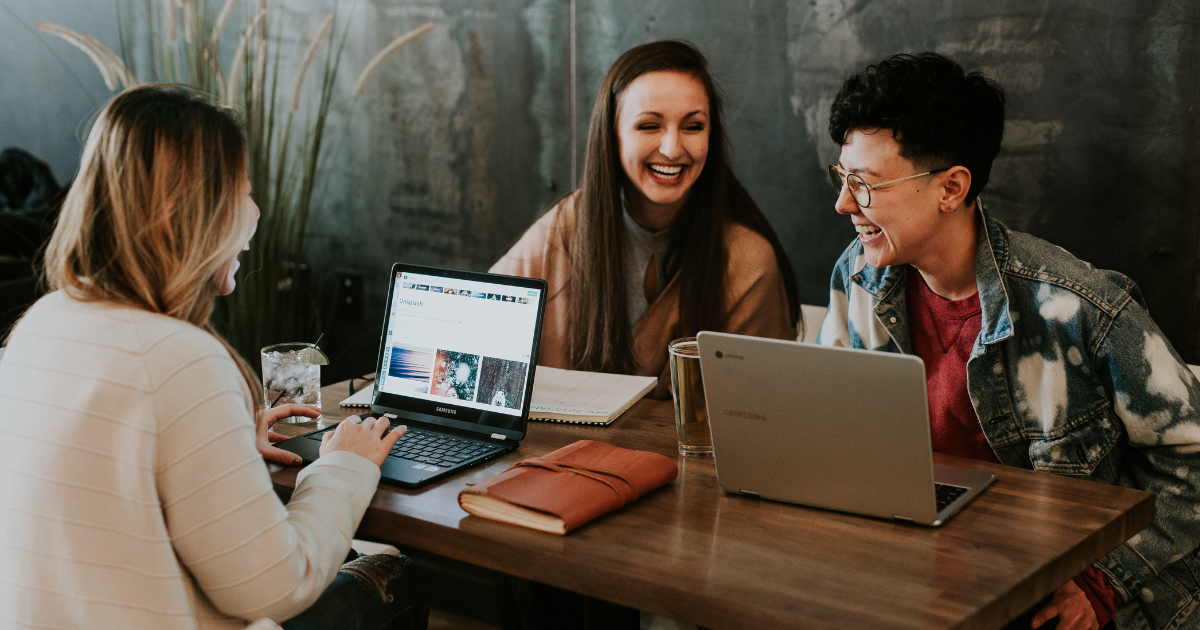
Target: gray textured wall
<point>467,135</point>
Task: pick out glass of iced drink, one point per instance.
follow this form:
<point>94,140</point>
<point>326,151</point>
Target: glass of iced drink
<point>292,374</point>
<point>687,388</point>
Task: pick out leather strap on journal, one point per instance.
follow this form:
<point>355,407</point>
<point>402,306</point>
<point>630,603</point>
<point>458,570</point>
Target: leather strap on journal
<point>623,490</point>
<point>579,482</point>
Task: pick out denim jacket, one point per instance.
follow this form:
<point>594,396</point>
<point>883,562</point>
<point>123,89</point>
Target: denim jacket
<point>1068,375</point>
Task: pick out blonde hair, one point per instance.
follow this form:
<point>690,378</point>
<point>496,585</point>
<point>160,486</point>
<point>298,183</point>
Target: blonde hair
<point>156,209</point>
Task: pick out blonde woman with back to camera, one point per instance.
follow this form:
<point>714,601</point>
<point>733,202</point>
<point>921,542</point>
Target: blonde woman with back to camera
<point>135,493</point>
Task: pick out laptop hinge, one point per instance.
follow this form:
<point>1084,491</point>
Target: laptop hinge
<point>497,436</point>
<point>749,492</point>
<point>897,517</point>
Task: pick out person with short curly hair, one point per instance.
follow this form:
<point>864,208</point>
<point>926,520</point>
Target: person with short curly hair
<point>1033,358</point>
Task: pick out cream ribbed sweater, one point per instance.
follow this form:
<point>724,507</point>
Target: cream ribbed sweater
<point>131,492</point>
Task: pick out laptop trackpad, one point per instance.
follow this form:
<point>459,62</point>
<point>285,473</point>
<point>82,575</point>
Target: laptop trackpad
<point>406,470</point>
<point>963,477</point>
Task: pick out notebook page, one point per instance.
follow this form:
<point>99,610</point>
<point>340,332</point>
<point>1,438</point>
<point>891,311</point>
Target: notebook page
<point>584,393</point>
<point>360,398</point>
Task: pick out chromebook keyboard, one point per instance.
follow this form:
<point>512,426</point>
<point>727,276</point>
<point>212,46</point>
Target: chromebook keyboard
<point>947,494</point>
<point>434,450</point>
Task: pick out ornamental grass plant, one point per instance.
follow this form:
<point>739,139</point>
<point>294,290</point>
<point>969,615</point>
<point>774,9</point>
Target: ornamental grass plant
<point>285,130</point>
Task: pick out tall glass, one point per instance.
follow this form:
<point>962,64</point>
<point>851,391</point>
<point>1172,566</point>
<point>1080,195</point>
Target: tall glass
<point>290,379</point>
<point>691,414</point>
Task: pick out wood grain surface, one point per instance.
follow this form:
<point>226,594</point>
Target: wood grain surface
<point>692,552</point>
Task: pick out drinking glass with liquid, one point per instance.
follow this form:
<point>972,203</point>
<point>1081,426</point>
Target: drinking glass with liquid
<point>292,374</point>
<point>687,389</point>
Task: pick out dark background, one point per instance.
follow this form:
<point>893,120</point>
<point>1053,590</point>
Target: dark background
<point>469,134</point>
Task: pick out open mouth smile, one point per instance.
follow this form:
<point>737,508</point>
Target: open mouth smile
<point>868,233</point>
<point>666,173</point>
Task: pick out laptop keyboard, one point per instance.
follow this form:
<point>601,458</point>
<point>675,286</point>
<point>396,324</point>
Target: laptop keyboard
<point>947,494</point>
<point>434,449</point>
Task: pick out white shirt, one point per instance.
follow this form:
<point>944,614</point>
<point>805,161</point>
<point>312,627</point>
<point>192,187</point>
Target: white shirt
<point>131,492</point>
<point>640,245</point>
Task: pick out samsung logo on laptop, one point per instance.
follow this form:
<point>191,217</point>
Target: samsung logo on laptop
<point>449,411</point>
<point>748,415</point>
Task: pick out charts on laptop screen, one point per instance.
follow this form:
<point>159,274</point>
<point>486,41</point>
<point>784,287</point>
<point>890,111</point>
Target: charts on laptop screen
<point>459,342</point>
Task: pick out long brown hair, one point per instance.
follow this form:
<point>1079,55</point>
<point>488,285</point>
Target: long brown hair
<point>601,338</point>
<point>156,209</point>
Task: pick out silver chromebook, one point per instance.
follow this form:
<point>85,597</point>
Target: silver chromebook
<point>833,428</point>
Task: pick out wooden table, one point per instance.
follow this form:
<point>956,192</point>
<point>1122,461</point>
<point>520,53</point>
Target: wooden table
<point>691,552</point>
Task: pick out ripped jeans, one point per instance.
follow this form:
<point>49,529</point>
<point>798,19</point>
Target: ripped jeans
<point>375,592</point>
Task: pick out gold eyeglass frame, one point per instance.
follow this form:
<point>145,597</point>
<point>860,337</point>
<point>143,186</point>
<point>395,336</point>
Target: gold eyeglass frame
<point>844,176</point>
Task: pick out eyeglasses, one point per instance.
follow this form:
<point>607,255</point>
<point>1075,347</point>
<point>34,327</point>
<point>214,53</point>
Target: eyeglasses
<point>860,190</point>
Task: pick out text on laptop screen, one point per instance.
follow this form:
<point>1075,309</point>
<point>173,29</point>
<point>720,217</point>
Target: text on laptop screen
<point>459,342</point>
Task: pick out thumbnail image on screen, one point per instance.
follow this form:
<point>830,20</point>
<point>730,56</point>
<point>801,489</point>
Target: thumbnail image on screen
<point>501,382</point>
<point>454,375</point>
<point>410,369</point>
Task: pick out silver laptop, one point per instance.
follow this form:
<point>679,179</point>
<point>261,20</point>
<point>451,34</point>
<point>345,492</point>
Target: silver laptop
<point>833,428</point>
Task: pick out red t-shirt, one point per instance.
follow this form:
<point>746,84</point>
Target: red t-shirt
<point>943,333</point>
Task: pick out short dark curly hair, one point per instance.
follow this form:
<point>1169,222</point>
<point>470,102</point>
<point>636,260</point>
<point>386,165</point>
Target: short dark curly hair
<point>940,115</point>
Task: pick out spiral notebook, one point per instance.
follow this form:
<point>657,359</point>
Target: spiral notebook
<point>570,396</point>
<point>578,397</point>
<point>360,398</point>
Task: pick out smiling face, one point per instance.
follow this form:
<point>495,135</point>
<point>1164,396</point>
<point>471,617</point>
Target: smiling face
<point>224,278</point>
<point>903,224</point>
<point>662,133</point>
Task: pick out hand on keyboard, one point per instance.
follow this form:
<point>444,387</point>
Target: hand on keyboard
<point>364,437</point>
<point>265,437</point>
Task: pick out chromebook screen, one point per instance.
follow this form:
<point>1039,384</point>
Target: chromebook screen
<point>459,342</point>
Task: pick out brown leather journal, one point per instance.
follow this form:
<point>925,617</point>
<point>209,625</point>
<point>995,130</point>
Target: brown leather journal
<point>562,490</point>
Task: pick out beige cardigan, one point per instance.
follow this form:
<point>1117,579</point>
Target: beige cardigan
<point>131,492</point>
<point>755,303</point>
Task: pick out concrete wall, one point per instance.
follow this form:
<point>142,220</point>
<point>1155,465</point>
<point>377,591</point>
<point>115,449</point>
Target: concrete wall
<point>468,134</point>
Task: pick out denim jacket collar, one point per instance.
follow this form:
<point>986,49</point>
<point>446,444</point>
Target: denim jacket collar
<point>887,284</point>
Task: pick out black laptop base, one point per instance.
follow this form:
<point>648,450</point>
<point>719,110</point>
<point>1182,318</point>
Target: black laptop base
<point>420,457</point>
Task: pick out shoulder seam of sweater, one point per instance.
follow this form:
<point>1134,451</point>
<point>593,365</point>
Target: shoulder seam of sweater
<point>236,467</point>
<point>194,448</point>
<point>216,393</point>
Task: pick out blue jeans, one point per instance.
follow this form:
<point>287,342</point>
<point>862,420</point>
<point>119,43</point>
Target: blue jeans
<point>370,593</point>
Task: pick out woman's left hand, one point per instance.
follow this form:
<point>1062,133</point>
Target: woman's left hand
<point>265,437</point>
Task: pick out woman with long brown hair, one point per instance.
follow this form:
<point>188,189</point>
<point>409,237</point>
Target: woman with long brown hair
<point>134,495</point>
<point>660,240</point>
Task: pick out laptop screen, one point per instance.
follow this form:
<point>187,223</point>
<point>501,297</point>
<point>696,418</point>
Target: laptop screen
<point>459,345</point>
